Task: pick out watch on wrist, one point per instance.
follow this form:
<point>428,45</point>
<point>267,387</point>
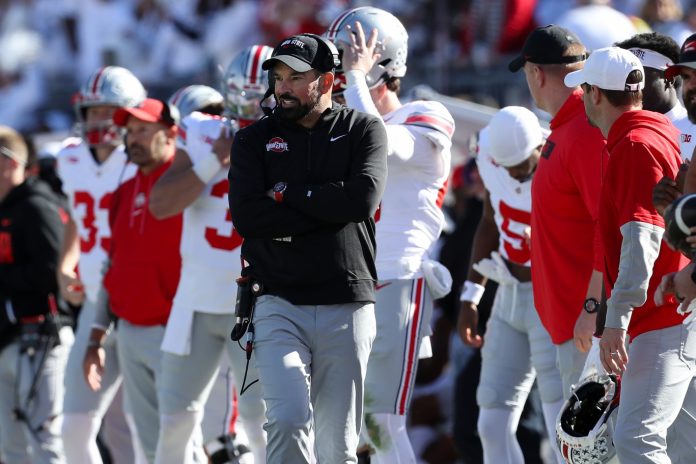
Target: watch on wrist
<point>591,305</point>
<point>278,190</point>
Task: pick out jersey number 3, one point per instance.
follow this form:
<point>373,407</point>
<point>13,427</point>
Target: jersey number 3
<point>212,236</point>
<point>89,220</point>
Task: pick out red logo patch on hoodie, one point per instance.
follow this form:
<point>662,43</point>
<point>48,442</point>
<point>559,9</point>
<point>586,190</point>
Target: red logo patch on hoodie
<point>277,145</point>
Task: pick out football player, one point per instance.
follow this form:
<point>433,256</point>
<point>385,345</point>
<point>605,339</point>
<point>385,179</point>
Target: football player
<point>201,319</point>
<point>518,348</point>
<point>91,167</point>
<point>409,219</point>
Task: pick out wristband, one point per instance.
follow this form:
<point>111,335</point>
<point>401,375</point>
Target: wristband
<point>207,167</point>
<point>472,292</point>
<point>92,343</point>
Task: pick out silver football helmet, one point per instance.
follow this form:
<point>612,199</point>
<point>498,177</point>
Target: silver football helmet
<point>245,83</point>
<point>585,424</point>
<point>195,98</point>
<point>108,86</point>
<point>392,43</point>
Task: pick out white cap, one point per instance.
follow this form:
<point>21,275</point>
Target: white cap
<point>511,136</point>
<point>651,58</point>
<point>608,68</point>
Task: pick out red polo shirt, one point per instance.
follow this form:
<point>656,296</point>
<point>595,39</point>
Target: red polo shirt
<point>145,259</point>
<point>643,147</point>
<point>565,198</point>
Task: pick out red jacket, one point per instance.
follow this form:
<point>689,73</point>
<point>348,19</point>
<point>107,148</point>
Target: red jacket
<point>643,147</point>
<point>145,259</point>
<point>565,198</point>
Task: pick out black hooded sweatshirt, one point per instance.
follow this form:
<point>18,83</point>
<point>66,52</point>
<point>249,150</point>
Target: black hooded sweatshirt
<point>32,224</point>
<point>317,246</point>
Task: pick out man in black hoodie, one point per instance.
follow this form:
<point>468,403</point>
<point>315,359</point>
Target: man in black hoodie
<point>305,183</point>
<point>33,342</point>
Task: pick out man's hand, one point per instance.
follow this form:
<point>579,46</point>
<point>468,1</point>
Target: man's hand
<point>93,366</point>
<point>71,288</point>
<point>94,360</point>
<point>691,239</point>
<point>584,330</point>
<point>467,324</point>
<point>613,350</point>
<point>360,55</point>
<point>223,146</point>
<point>684,286</point>
<point>678,284</point>
<point>664,193</point>
<point>665,289</point>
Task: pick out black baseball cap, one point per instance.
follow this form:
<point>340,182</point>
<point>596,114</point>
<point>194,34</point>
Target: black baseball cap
<point>687,57</point>
<point>546,45</point>
<point>301,53</point>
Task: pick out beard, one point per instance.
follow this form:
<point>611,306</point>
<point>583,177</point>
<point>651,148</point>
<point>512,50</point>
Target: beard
<point>138,155</point>
<point>295,113</point>
<point>690,105</point>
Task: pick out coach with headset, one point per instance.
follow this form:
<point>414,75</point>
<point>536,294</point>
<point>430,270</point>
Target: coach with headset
<point>305,184</point>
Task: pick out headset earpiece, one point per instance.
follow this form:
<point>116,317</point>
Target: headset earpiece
<point>333,60</point>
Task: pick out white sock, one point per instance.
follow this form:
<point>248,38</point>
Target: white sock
<point>386,434</point>
<point>80,438</point>
<point>253,426</point>
<point>551,411</point>
<point>497,428</point>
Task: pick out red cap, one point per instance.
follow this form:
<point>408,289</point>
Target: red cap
<point>150,110</point>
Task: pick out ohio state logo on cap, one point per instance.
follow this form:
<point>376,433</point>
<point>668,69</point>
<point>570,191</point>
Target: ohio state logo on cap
<point>277,145</point>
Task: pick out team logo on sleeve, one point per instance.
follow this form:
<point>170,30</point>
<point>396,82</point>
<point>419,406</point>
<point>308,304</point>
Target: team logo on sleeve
<point>548,149</point>
<point>277,145</point>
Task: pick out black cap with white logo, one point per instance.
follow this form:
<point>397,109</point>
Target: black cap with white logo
<point>301,53</point>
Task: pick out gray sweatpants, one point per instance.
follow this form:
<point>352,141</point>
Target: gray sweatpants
<point>18,444</point>
<point>657,389</point>
<point>517,350</point>
<point>82,400</point>
<point>139,356</point>
<point>186,382</point>
<point>312,362</point>
<point>570,363</point>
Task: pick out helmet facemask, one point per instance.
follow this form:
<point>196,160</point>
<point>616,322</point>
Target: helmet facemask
<point>112,86</point>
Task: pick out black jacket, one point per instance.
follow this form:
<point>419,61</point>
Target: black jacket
<point>317,247</point>
<point>31,232</point>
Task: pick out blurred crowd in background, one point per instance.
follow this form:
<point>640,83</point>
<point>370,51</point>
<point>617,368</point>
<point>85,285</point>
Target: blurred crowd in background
<point>458,47</point>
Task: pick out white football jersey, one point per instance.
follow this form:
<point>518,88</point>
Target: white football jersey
<point>512,204</point>
<point>210,246</point>
<point>410,218</point>
<point>89,187</point>
<point>687,129</point>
